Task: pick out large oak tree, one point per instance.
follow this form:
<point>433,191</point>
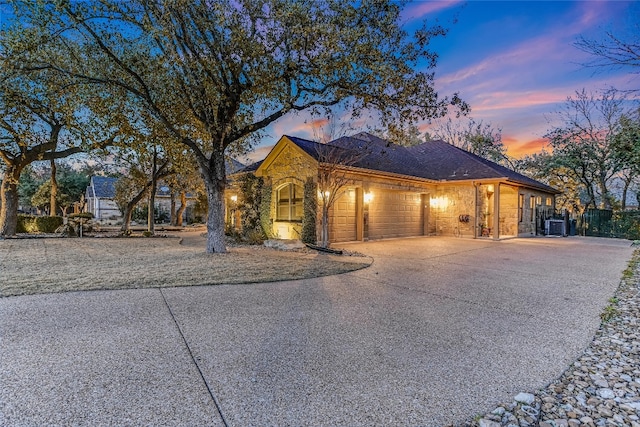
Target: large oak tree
<point>217,73</point>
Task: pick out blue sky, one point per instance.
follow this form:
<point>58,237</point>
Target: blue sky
<point>513,61</point>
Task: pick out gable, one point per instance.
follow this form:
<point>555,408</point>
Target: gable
<point>287,159</point>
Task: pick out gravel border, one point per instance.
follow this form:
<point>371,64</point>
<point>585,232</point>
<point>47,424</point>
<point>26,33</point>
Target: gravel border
<point>602,387</point>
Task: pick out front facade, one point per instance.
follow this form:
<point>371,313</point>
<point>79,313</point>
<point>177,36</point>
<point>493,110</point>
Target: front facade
<point>394,191</point>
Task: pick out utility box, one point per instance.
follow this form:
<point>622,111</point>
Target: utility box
<point>554,227</point>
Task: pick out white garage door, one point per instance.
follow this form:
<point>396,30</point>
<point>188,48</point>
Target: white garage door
<point>395,214</point>
<point>342,228</point>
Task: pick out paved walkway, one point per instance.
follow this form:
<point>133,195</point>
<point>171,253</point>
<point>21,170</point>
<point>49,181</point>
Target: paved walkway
<point>434,332</point>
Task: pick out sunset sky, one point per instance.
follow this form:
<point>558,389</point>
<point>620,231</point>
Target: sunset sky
<point>514,62</point>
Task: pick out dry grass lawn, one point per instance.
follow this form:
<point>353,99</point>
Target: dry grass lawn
<point>36,266</point>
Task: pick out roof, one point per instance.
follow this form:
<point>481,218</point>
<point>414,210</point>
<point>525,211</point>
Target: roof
<point>433,160</point>
<point>104,187</point>
<point>232,166</point>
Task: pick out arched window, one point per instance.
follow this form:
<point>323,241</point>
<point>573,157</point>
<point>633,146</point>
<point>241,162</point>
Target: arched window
<point>289,203</point>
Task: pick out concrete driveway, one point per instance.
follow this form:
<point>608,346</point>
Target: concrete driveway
<point>434,332</point>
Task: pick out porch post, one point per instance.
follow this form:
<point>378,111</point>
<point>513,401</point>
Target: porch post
<point>496,212</point>
<point>359,214</point>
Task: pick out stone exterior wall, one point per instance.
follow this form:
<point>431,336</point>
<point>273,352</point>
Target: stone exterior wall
<point>450,206</point>
<point>508,211</point>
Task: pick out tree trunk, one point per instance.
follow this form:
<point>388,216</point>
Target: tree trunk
<point>151,210</point>
<point>214,176</point>
<point>126,217</point>
<point>54,190</point>
<point>182,208</point>
<point>625,191</point>
<point>325,226</point>
<point>9,208</point>
<point>128,210</point>
<point>152,194</point>
<point>604,192</point>
<point>9,201</point>
<point>172,209</point>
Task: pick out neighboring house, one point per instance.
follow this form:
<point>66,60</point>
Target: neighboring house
<point>393,191</point>
<point>99,197</point>
<point>100,200</point>
<point>163,203</point>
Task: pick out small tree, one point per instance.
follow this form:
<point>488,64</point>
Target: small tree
<point>333,178</point>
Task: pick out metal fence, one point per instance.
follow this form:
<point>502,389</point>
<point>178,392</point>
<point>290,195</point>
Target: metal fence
<point>608,223</point>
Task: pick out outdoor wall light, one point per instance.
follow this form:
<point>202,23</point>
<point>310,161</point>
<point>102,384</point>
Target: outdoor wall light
<point>439,202</point>
<point>234,198</point>
<point>490,189</point>
<point>368,197</point>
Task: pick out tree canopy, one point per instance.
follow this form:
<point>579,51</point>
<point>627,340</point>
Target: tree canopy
<point>215,74</point>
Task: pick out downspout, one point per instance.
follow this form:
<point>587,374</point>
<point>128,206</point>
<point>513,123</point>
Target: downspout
<point>475,217</point>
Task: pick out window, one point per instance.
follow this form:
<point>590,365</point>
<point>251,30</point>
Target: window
<point>548,201</point>
<point>538,200</point>
<point>289,203</point>
<point>520,206</point>
<point>532,207</point>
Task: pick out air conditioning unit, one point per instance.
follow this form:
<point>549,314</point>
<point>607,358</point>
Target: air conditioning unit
<point>554,227</point>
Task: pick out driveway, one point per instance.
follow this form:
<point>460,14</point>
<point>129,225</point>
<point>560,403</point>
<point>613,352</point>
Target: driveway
<point>436,331</point>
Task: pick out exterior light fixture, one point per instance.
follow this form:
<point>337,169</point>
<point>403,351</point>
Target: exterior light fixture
<point>234,198</point>
<point>440,203</point>
<point>368,197</point>
<point>490,189</point>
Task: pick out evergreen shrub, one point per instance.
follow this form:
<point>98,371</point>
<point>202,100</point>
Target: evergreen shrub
<point>38,224</point>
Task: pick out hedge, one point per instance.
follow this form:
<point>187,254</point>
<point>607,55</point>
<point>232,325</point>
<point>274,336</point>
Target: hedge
<point>38,224</point>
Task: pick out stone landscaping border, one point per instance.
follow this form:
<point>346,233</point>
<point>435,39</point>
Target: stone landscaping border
<point>602,387</point>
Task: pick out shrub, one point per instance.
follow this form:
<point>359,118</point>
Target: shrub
<point>265,212</point>
<point>38,224</point>
<point>310,206</point>
<point>250,187</point>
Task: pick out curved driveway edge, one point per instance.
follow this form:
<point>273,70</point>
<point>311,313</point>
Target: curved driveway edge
<point>435,331</point>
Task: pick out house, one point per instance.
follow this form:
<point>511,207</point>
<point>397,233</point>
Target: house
<point>394,191</point>
<point>99,198</point>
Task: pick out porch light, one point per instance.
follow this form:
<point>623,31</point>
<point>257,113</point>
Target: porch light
<point>234,198</point>
<point>490,189</point>
<point>368,197</point>
<point>441,202</point>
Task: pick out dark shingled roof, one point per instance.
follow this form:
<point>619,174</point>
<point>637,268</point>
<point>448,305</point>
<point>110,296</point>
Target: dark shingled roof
<point>232,166</point>
<point>104,187</point>
<point>433,160</point>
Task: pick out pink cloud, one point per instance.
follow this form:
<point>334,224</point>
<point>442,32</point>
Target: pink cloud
<point>519,148</point>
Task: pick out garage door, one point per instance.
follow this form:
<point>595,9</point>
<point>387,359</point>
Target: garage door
<point>343,226</point>
<point>395,214</point>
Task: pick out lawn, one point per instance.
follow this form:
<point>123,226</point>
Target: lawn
<point>47,265</point>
